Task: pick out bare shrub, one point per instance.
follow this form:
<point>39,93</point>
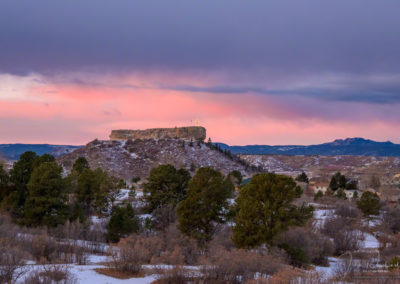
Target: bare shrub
<point>43,247</point>
<point>11,262</point>
<point>290,275</point>
<point>177,249</point>
<point>391,247</point>
<point>76,230</point>
<point>238,266</point>
<point>53,274</point>
<point>304,246</point>
<point>132,252</point>
<point>391,219</point>
<point>176,275</point>
<point>345,233</point>
<point>222,238</point>
<point>348,210</point>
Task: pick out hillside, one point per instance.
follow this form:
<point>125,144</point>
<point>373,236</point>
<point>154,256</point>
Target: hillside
<point>13,151</point>
<point>322,167</point>
<point>135,158</point>
<point>349,146</point>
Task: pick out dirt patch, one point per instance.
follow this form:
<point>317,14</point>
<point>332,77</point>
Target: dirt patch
<point>111,272</point>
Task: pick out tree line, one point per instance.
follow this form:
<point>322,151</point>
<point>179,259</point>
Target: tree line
<point>35,193</point>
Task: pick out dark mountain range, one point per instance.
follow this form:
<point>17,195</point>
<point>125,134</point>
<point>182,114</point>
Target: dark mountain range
<point>349,146</point>
<point>13,151</point>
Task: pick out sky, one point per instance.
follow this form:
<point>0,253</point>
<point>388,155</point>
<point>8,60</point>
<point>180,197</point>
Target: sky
<point>251,72</point>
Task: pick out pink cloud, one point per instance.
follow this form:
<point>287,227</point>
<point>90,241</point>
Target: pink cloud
<point>77,113</point>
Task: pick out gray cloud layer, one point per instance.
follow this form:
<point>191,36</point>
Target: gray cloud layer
<point>286,36</point>
<point>251,39</point>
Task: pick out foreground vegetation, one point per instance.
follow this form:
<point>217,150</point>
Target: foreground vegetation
<point>226,231</point>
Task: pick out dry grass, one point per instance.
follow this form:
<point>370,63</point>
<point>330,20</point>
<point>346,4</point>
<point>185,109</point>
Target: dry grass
<point>112,272</point>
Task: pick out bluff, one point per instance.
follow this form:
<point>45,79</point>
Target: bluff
<point>195,133</point>
<point>136,157</point>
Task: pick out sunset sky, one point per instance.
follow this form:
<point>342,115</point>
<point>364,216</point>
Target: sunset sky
<point>251,72</point>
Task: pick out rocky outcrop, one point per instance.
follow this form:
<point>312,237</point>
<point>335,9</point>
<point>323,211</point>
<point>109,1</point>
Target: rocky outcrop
<point>135,158</point>
<point>195,133</point>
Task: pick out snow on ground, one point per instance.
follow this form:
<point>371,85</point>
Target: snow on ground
<point>144,216</point>
<point>370,241</point>
<point>321,215</point>
<point>330,271</point>
<point>95,259</point>
<point>123,194</point>
<point>86,274</point>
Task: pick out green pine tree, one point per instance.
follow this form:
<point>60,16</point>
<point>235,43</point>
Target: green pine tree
<point>318,195</point>
<point>265,208</point>
<point>80,165</point>
<point>122,223</point>
<point>14,199</point>
<point>46,201</point>
<point>302,177</point>
<point>341,194</point>
<point>337,181</point>
<point>369,203</point>
<point>4,183</point>
<point>165,186</point>
<point>205,205</point>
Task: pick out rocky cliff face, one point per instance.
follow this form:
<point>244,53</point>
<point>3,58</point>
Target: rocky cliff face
<point>195,133</point>
<point>135,158</point>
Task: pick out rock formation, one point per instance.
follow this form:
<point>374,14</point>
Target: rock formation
<point>195,133</point>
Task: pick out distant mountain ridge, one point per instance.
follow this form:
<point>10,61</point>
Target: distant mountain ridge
<point>350,146</point>
<point>13,151</point>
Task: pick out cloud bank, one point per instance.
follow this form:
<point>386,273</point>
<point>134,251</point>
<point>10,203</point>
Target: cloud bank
<point>276,72</point>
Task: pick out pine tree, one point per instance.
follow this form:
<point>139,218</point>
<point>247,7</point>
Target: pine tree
<point>341,194</point>
<point>318,195</point>
<point>265,208</point>
<point>337,181</point>
<point>165,186</point>
<point>46,202</point>
<point>80,165</point>
<point>302,177</point>
<point>20,174</point>
<point>122,223</point>
<point>4,183</point>
<point>369,203</point>
<point>205,205</point>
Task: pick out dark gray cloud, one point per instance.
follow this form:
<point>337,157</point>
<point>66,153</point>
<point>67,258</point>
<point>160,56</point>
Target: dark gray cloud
<point>365,92</point>
<point>284,37</point>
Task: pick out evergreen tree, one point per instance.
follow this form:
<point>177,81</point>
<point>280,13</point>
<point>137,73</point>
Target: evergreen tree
<point>43,159</point>
<point>122,223</point>
<point>19,176</point>
<point>302,177</point>
<point>80,165</point>
<point>4,183</point>
<point>165,186</point>
<point>46,202</point>
<point>205,205</point>
<point>265,208</point>
<point>318,195</point>
<point>337,181</point>
<point>341,194</point>
<point>369,203</point>
<point>95,191</point>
